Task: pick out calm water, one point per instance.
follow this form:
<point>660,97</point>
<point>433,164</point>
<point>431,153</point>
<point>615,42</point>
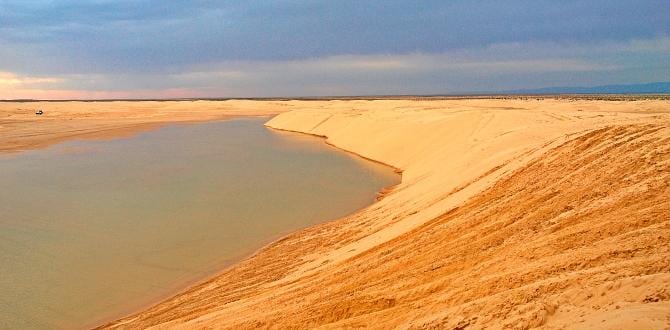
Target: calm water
<point>93,229</point>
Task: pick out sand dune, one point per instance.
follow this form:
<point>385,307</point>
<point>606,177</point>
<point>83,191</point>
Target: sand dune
<point>511,213</point>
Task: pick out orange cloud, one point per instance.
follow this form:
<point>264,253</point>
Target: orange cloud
<point>14,86</point>
<point>8,79</point>
<point>66,94</point>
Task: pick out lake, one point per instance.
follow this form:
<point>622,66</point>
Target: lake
<point>91,230</point>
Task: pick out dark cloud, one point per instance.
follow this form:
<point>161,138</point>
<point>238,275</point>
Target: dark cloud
<point>157,35</point>
<point>155,38</point>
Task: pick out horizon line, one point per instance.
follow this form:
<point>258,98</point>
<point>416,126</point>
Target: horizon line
<point>345,97</point>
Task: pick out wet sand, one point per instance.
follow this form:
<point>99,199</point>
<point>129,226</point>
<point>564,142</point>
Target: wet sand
<point>510,213</point>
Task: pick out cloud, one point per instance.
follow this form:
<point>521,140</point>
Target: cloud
<point>10,80</point>
<point>14,86</point>
<point>212,48</point>
<point>64,94</point>
<point>489,68</point>
<point>145,36</point>
<point>362,66</point>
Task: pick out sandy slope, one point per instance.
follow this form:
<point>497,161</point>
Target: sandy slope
<point>510,214</point>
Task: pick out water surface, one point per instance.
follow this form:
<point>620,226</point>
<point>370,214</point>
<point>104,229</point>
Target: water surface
<point>95,229</point>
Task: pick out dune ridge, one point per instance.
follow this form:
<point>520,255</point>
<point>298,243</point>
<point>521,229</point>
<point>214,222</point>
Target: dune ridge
<point>510,214</point>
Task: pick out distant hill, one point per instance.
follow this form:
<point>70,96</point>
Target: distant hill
<point>648,88</point>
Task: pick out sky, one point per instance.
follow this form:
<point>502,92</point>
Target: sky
<point>95,49</point>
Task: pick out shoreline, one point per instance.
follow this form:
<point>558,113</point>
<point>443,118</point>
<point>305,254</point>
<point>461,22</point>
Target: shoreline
<point>131,129</point>
<point>195,281</point>
<point>127,130</point>
<point>325,140</point>
<point>22,130</point>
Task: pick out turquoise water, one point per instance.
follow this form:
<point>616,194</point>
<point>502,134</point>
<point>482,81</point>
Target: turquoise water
<point>94,229</point>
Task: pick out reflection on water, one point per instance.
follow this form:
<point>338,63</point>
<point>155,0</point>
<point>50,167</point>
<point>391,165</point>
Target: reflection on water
<point>92,229</point>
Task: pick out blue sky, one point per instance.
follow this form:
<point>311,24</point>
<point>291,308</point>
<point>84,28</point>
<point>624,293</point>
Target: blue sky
<point>179,48</point>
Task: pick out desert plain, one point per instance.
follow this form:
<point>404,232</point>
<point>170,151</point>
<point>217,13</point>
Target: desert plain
<point>512,212</point>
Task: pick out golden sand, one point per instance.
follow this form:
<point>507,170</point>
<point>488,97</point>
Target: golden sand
<point>511,213</point>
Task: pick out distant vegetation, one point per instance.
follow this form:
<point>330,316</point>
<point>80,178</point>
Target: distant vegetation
<point>648,88</point>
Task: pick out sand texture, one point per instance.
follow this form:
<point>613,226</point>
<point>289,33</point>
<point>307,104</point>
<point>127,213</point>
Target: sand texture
<point>514,213</point>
